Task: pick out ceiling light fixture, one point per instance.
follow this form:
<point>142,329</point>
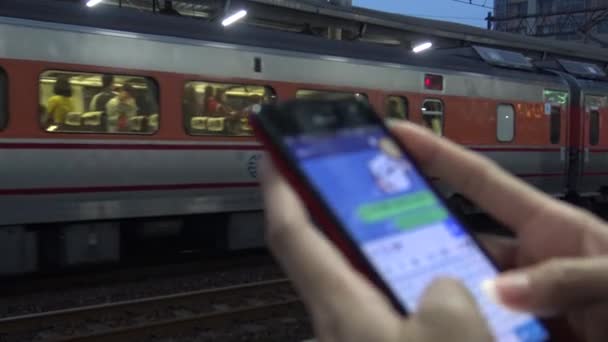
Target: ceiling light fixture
<point>422,47</point>
<point>92,3</point>
<point>233,18</point>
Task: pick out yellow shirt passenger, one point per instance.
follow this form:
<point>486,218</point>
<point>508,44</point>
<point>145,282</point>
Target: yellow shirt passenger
<point>436,126</point>
<point>60,104</point>
<point>58,107</point>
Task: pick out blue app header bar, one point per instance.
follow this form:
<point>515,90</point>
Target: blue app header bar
<point>351,140</point>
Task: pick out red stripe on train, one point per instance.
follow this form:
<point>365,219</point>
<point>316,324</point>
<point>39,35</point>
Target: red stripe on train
<point>537,175</point>
<point>524,175</point>
<point>515,149</point>
<point>125,188</point>
<point>81,146</point>
<point>554,174</point>
<point>194,186</point>
<point>595,173</point>
<point>85,146</point>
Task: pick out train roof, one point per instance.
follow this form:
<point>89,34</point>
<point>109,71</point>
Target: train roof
<point>476,35</point>
<point>146,23</point>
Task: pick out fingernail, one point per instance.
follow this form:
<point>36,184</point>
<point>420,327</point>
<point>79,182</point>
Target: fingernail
<point>511,289</point>
<point>488,286</point>
<point>513,283</point>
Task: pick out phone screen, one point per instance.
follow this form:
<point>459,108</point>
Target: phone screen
<point>398,222</point>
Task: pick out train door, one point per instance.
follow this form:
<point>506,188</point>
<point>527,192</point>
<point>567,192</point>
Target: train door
<point>553,162</point>
<point>594,170</point>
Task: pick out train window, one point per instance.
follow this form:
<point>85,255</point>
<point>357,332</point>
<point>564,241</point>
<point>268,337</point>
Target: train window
<point>594,127</point>
<point>220,108</point>
<point>505,123</point>
<point>432,113</point>
<point>3,99</point>
<point>85,102</point>
<point>332,95</point>
<point>556,124</point>
<point>397,107</point>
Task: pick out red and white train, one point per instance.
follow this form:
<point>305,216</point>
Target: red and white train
<point>546,124</point>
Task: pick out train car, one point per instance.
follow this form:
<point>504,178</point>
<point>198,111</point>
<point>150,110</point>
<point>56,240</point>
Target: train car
<point>586,153</point>
<point>171,137</point>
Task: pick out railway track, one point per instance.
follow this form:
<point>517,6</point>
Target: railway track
<point>94,277</point>
<point>159,316</point>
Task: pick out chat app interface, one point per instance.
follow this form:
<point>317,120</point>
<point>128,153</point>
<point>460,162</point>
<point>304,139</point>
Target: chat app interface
<point>398,222</point>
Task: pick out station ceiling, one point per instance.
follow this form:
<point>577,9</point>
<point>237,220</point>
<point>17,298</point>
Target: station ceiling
<point>315,17</point>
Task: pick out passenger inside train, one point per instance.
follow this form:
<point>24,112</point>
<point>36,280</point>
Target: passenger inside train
<point>60,104</point>
<point>396,107</point>
<point>95,103</point>
<point>101,99</point>
<point>191,102</point>
<point>210,104</point>
<point>223,106</point>
<point>432,113</point>
<point>221,109</point>
<point>121,109</point>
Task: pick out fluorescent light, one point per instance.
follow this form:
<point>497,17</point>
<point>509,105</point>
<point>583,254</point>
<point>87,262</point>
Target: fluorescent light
<point>233,18</point>
<point>334,59</point>
<point>422,46</point>
<point>92,3</point>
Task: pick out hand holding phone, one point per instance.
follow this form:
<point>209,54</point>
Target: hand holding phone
<point>343,304</point>
<point>371,200</point>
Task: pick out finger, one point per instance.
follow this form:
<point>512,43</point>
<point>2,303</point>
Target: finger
<point>321,274</point>
<point>553,287</point>
<point>448,312</point>
<point>502,250</point>
<point>473,176</point>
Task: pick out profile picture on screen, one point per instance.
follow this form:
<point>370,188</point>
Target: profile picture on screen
<point>388,169</point>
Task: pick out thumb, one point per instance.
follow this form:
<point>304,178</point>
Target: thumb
<point>448,312</point>
<point>554,286</point>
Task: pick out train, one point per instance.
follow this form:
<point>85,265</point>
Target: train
<point>174,155</point>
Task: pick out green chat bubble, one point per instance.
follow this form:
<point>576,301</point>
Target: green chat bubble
<point>422,218</point>
<point>378,211</point>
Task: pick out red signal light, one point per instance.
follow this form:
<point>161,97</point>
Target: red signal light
<point>433,82</point>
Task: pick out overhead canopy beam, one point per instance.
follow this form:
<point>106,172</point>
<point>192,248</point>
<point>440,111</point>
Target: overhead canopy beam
<point>433,28</point>
<point>315,16</point>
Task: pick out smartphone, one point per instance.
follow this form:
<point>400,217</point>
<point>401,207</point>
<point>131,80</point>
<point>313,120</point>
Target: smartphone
<point>372,201</point>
